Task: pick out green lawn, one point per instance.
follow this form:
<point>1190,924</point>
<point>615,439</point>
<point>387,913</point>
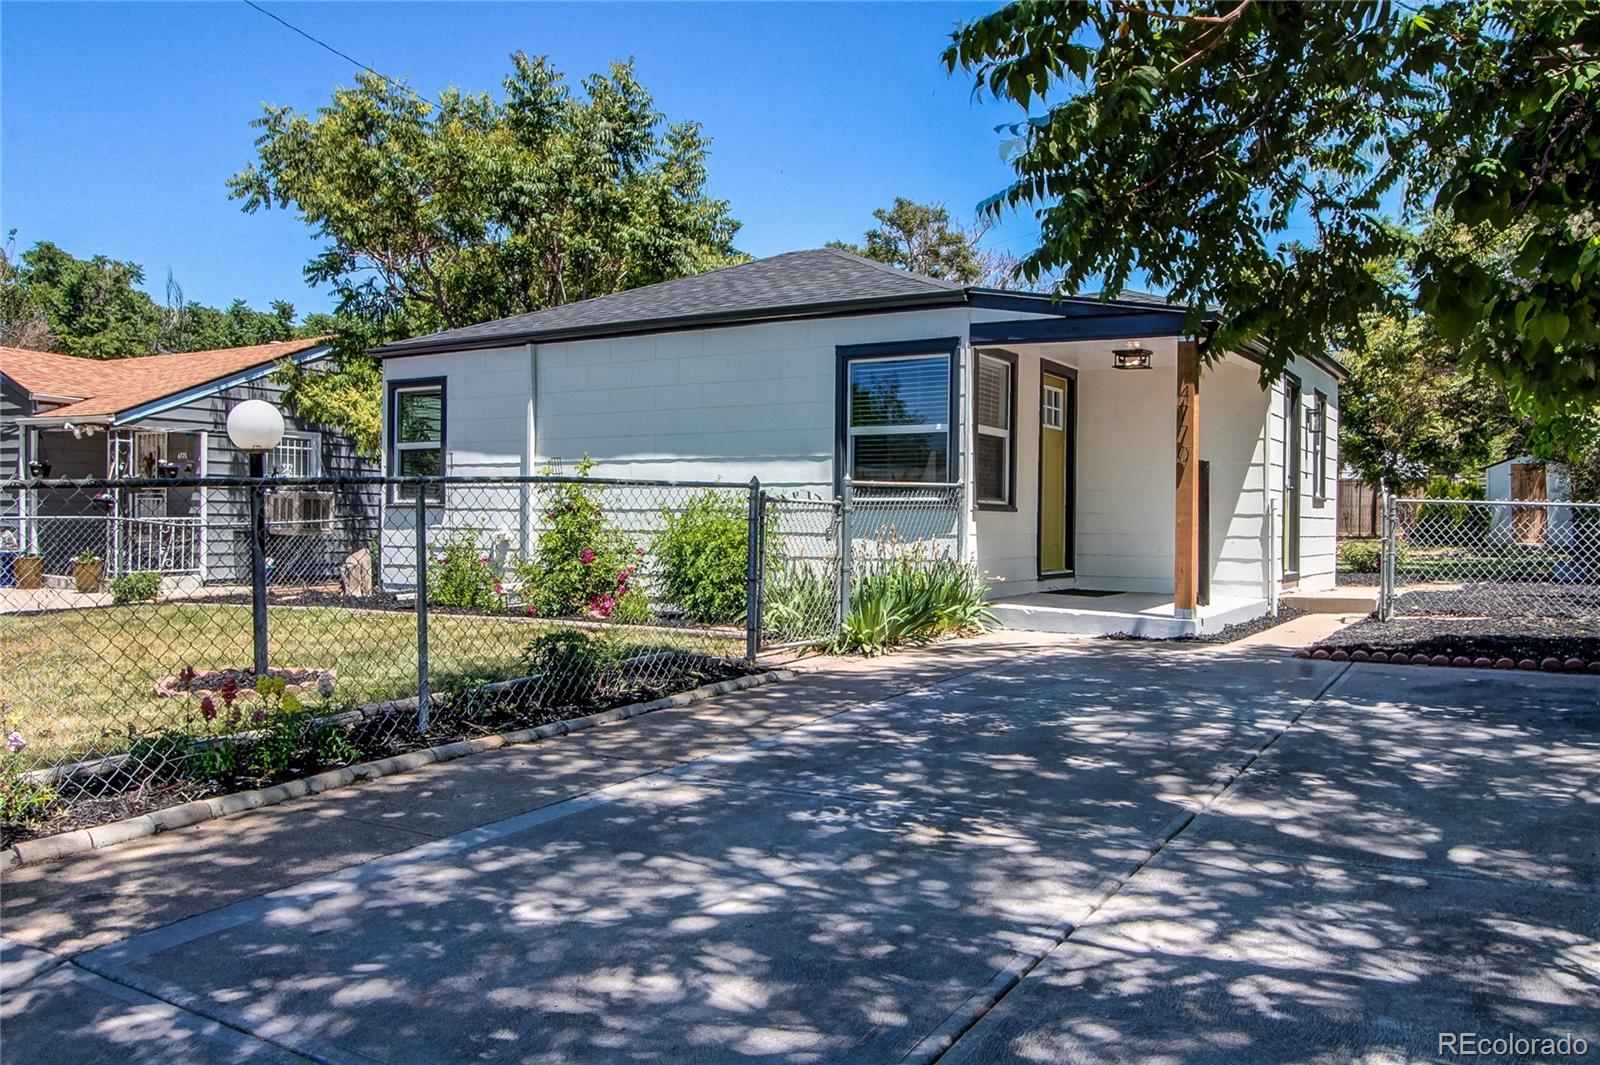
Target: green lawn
<point>79,682</point>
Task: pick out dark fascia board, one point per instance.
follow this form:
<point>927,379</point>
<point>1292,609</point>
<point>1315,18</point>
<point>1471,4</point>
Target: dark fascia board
<point>842,308</point>
<point>1092,327</point>
<point>1064,306</point>
<point>1256,351</point>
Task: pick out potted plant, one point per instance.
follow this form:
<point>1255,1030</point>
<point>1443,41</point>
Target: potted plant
<point>30,571</point>
<point>87,571</point>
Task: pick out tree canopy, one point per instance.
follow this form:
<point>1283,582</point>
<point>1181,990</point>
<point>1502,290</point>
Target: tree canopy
<point>53,301</point>
<point>1257,156</point>
<point>921,238</point>
<point>474,207</point>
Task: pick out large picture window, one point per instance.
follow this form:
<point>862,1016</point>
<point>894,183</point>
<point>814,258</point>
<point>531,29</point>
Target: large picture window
<point>898,411</point>
<point>416,433</point>
<point>994,406</point>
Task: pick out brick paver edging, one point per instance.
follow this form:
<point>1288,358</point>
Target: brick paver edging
<point>79,840</point>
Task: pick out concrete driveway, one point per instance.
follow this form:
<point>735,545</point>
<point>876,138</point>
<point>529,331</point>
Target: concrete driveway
<point>987,852</point>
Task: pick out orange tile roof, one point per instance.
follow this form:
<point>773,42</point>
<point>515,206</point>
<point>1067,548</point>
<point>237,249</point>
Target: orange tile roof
<point>106,387</point>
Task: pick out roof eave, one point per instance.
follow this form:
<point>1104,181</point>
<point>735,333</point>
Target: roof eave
<point>423,346</point>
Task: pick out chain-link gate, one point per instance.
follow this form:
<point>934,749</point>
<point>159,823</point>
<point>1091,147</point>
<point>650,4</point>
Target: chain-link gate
<point>1494,558</point>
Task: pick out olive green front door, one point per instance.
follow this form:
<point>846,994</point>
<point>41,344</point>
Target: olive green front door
<point>1055,500</point>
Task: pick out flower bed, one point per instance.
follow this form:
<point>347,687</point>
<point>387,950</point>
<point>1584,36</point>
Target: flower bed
<point>213,682</point>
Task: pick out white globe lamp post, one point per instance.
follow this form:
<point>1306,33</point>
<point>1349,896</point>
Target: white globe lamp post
<point>255,426</point>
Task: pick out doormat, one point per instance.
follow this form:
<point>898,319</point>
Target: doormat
<point>1084,593</point>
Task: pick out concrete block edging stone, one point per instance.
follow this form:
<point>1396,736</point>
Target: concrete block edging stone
<point>46,848</point>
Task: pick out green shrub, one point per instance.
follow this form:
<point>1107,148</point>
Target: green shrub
<point>569,667</point>
<point>582,564</point>
<point>1360,556</point>
<point>911,597</point>
<point>461,575</point>
<point>135,587</point>
<point>702,556</point>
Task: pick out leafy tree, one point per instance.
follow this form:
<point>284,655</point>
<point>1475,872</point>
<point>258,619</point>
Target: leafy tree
<point>920,237</point>
<point>1412,411</point>
<point>1193,140</point>
<point>91,307</point>
<point>475,208</point>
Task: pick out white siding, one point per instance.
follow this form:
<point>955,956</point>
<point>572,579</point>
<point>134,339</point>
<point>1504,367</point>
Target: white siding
<point>487,400</point>
<point>1233,418</point>
<point>1319,522</point>
<point>728,403</point>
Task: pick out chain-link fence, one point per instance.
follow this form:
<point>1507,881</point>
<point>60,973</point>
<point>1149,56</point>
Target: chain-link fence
<point>186,635</point>
<point>1491,559</point>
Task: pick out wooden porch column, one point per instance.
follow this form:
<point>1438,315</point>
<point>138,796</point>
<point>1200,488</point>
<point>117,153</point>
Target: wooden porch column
<point>1186,528</point>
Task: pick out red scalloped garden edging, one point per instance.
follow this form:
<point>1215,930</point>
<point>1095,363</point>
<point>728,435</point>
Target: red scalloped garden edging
<point>1549,664</point>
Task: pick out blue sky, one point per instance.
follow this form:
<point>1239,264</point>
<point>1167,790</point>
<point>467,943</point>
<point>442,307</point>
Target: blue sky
<point>120,123</point>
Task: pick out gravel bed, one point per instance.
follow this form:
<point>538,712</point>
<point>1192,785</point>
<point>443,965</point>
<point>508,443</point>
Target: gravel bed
<point>1236,631</point>
<point>1518,639</point>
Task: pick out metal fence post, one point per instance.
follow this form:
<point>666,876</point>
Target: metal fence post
<point>846,539</point>
<point>1386,565</point>
<point>753,574</point>
<point>423,695</point>
<point>258,561</point>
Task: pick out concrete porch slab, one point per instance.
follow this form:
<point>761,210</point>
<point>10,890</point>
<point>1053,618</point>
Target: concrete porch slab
<point>1148,614</point>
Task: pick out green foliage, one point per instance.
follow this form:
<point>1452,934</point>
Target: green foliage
<point>135,587</point>
<point>1245,156</point>
<point>914,596</point>
<point>569,667</point>
<point>920,237</point>
<point>478,207</point>
<point>702,555</point>
<point>801,600</point>
<point>331,745</point>
<point>93,307</point>
<point>1436,519</point>
<point>462,575</point>
<point>1411,410</point>
<point>86,557</point>
<point>22,799</point>
<point>1360,556</point>
<point>582,564</point>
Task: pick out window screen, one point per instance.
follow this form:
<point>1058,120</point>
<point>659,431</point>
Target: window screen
<point>993,443</point>
<point>899,418</point>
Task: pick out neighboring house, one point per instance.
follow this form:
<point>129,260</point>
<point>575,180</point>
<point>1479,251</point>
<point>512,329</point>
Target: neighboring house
<point>165,416</point>
<point>1528,479</point>
<point>808,367</point>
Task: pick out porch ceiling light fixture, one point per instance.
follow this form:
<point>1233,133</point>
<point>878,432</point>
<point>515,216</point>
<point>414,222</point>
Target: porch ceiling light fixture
<point>1130,356</point>
<point>255,426</point>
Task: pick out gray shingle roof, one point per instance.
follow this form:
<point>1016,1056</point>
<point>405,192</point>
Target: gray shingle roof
<point>795,283</point>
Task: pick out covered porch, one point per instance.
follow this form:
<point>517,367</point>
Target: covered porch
<point>1102,503</point>
<point>152,529</point>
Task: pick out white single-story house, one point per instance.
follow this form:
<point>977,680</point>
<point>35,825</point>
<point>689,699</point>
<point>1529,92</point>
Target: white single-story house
<point>1161,490</point>
<point>163,417</point>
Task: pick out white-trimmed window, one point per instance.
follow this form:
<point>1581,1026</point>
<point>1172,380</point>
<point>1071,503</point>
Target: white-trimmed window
<point>416,434</point>
<point>295,456</point>
<point>899,418</point>
<point>992,460</point>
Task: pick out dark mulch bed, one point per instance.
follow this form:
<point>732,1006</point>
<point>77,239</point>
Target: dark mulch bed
<point>1494,638</point>
<point>1233,632</point>
<point>463,717</point>
<point>1346,579</point>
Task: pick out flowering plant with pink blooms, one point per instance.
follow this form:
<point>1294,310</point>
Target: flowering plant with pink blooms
<point>462,575</point>
<point>582,564</point>
<point>22,799</point>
